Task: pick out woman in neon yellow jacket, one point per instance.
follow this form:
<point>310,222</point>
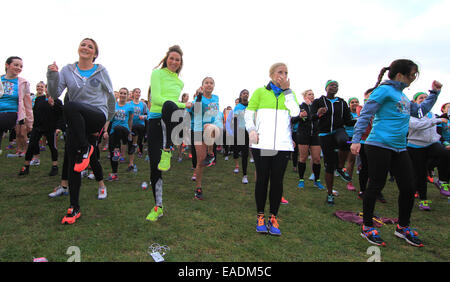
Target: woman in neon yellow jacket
<point>268,121</point>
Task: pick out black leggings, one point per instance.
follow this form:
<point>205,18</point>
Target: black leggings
<point>33,146</point>
<point>330,145</point>
<point>140,131</point>
<point>7,122</point>
<point>82,121</point>
<point>364,171</point>
<point>168,109</point>
<point>269,167</point>
<point>420,157</point>
<point>380,161</point>
<point>155,145</point>
<point>118,137</point>
<point>244,150</point>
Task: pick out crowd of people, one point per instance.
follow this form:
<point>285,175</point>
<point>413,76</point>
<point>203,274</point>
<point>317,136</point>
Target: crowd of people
<point>388,134</point>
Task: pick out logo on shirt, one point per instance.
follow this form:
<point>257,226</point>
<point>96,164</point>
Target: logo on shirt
<point>402,106</point>
<point>8,88</point>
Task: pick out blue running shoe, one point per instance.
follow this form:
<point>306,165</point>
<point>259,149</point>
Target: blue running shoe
<point>301,184</point>
<point>261,224</point>
<point>319,185</point>
<point>274,228</point>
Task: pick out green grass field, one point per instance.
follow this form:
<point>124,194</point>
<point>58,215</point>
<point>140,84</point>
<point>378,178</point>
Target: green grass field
<point>219,229</point>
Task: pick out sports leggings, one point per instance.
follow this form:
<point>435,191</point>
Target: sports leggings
<point>380,160</point>
<point>330,145</point>
<point>420,157</point>
<point>82,120</point>
<point>244,150</point>
<point>7,122</point>
<point>33,146</point>
<point>155,145</point>
<point>168,109</point>
<point>269,167</point>
<point>119,136</point>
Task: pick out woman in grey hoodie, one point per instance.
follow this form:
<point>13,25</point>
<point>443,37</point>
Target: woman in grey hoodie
<point>423,144</point>
<point>88,108</point>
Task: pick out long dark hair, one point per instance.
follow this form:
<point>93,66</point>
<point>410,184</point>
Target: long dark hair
<point>402,66</point>
<point>11,59</point>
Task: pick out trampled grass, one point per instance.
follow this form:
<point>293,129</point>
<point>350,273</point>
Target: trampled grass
<point>219,229</point>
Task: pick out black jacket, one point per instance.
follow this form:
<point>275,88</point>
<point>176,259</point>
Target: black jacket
<point>308,125</point>
<point>337,115</point>
<point>47,118</point>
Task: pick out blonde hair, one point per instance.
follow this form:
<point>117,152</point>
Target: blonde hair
<point>275,66</point>
<point>306,91</point>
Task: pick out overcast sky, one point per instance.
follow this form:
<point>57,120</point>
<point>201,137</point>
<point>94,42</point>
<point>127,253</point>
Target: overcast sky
<point>236,42</point>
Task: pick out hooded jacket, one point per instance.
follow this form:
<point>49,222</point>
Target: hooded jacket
<point>96,90</point>
<point>271,116</point>
<point>47,118</point>
<point>423,131</point>
<point>336,116</point>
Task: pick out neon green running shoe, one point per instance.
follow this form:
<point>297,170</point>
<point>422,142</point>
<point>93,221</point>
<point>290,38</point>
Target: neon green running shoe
<point>156,213</point>
<point>164,163</point>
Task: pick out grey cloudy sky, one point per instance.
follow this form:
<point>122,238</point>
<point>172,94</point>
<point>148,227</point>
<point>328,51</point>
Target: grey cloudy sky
<point>235,42</point>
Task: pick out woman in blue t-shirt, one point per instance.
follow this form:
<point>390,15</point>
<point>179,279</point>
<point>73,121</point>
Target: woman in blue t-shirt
<point>385,147</point>
<point>15,103</point>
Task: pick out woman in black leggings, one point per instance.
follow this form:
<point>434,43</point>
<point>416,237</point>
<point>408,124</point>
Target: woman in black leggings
<point>90,104</point>
<point>385,147</point>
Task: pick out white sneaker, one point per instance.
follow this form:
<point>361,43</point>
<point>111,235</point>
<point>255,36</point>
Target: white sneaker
<point>91,176</point>
<point>35,162</point>
<point>84,173</point>
<point>252,160</point>
<point>58,191</point>
<point>226,158</point>
<point>102,194</point>
<point>236,170</point>
<point>244,180</point>
<point>312,177</point>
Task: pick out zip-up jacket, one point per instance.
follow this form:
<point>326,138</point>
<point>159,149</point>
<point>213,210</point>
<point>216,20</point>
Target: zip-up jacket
<point>307,125</point>
<point>422,131</point>
<point>337,115</point>
<point>270,116</point>
<point>96,90</point>
<point>47,118</point>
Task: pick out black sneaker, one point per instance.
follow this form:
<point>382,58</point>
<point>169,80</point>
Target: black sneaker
<point>330,200</point>
<point>209,160</point>
<point>344,175</point>
<point>53,171</point>
<point>24,171</point>
<point>198,194</point>
<point>410,236</point>
<point>372,236</point>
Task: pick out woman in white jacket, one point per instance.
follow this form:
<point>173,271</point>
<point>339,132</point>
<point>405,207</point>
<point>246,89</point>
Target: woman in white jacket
<point>267,119</point>
<point>423,144</point>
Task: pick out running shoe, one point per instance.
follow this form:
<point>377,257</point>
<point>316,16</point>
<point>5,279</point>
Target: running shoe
<point>226,158</point>
<point>245,179</point>
<point>261,224</point>
<point>9,147</point>
<point>71,217</point>
<point>430,179</point>
<point>164,163</point>
<point>198,194</point>
<point>312,177</point>
<point>112,177</point>
<point>350,187</point>
<point>319,185</point>
<point>24,171</point>
<point>59,191</point>
<point>116,156</point>
<point>335,193</point>
<point>445,189</point>
<point>252,160</point>
<point>155,213</point>
<point>330,200</point>
<point>361,195</point>
<point>102,193</point>
<point>91,176</point>
<point>35,162</point>
<point>344,175</point>
<point>273,227</point>
<point>301,184</point>
<point>236,169</point>
<point>284,201</point>
<point>194,177</point>
<point>53,171</point>
<point>425,205</point>
<point>409,234</point>
<point>209,160</point>
<point>85,157</point>
<point>372,236</point>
